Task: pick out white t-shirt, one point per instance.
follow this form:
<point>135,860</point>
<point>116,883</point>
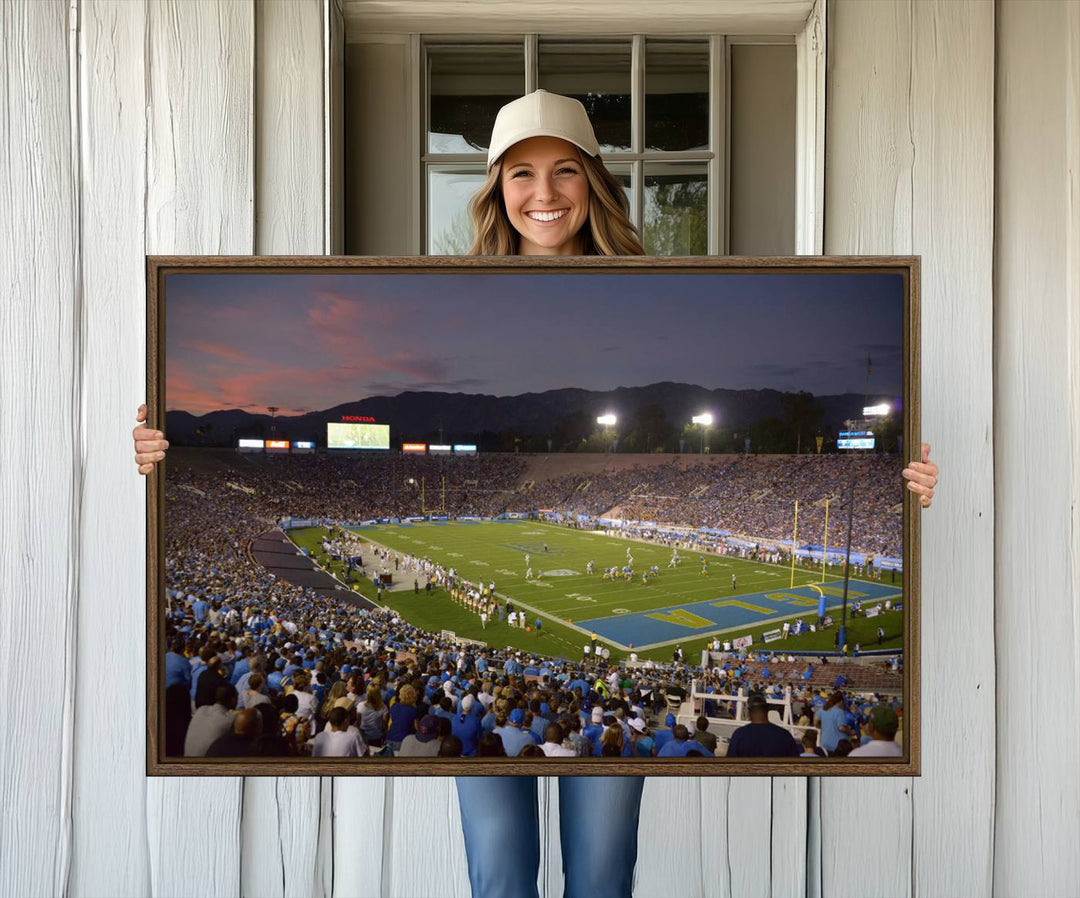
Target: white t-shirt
<point>877,748</point>
<point>332,743</point>
<point>554,750</point>
<point>306,704</point>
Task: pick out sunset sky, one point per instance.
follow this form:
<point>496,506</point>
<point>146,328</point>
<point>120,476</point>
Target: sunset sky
<point>305,341</point>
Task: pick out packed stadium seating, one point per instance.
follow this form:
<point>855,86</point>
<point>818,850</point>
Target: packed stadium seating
<point>226,615</point>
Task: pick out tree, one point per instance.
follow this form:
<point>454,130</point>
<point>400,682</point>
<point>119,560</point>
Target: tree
<point>457,239</point>
<point>676,217</point>
<point>772,435</point>
<point>650,429</point>
<point>887,430</point>
<point>802,414</point>
<point>571,430</point>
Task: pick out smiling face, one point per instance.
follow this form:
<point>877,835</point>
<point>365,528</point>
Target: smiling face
<point>546,195</point>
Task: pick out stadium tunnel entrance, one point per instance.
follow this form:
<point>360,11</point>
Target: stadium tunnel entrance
<point>279,556</point>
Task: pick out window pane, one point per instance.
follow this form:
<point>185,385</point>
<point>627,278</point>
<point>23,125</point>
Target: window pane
<point>597,74</point>
<point>623,174</point>
<point>676,95</point>
<point>676,209</point>
<point>466,87</point>
<point>450,231</point>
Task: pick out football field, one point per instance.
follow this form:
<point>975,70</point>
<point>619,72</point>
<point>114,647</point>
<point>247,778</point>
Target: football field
<point>679,605</point>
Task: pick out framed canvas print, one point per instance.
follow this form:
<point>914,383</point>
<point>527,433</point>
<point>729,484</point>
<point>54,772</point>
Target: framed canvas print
<point>533,516</point>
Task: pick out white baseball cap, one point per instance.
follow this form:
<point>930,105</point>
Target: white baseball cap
<point>541,114</point>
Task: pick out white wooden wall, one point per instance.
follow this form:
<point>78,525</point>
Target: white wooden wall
<point>953,131</point>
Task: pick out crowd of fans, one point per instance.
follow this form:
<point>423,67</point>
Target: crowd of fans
<point>257,666</point>
<point>752,496</point>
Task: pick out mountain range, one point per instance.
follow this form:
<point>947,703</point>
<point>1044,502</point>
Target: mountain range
<point>482,418</point>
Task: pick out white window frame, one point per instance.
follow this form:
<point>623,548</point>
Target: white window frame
<point>810,125</point>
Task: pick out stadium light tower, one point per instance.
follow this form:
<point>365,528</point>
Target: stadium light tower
<point>705,419</point>
<point>609,420</point>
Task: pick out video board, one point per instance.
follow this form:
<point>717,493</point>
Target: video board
<point>357,436</point>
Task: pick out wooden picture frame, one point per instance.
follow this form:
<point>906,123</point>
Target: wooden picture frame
<point>865,296</point>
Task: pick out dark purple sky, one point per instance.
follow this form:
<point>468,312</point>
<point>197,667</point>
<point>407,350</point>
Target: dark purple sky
<point>308,341</point>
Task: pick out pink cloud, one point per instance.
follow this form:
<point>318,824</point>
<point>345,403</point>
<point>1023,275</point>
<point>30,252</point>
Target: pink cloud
<point>343,325</point>
<point>221,351</point>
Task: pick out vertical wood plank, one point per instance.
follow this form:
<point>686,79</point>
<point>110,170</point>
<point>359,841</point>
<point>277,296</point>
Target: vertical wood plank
<point>282,817</point>
<point>279,837</point>
<point>423,844</point>
<point>952,77</point>
<point>749,837</point>
<point>551,875</point>
<point>193,830</point>
<point>670,839</point>
<point>1037,446</point>
<point>199,199</point>
<point>868,195</point>
<point>110,782</point>
<point>790,803</point>
<point>39,396</point>
<point>715,815</point>
<point>289,128</point>
<point>868,150</point>
<point>909,156</point>
<point>810,134</point>
<point>813,837</point>
<point>359,823</point>
<point>200,184</point>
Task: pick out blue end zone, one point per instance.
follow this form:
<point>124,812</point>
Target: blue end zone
<point>644,628</point>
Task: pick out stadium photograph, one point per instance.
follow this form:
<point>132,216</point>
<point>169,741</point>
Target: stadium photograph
<point>484,514</point>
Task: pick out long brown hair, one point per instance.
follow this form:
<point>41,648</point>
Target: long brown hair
<point>607,231</point>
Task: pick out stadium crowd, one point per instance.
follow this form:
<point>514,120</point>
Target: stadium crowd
<point>746,495</point>
<point>259,666</point>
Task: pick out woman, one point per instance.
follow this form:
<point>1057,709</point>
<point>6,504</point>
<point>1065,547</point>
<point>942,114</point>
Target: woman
<point>373,716</point>
<point>338,690</point>
<point>403,717</point>
<point>547,193</point>
<point>611,742</point>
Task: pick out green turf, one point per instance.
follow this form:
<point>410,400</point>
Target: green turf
<point>495,551</point>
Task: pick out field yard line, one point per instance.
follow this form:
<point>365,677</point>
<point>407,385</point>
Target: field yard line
<point>561,621</point>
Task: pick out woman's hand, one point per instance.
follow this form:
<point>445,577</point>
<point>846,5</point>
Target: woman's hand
<point>922,477</point>
<point>150,445</point>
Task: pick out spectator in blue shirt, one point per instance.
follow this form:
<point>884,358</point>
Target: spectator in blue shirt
<point>832,720</point>
<point>664,736</point>
<point>514,738</point>
<point>177,666</point>
<point>403,714</point>
<point>466,726</point>
<point>681,744</point>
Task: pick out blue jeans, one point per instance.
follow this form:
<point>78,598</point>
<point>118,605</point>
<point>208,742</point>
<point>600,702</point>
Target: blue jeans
<point>598,824</point>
